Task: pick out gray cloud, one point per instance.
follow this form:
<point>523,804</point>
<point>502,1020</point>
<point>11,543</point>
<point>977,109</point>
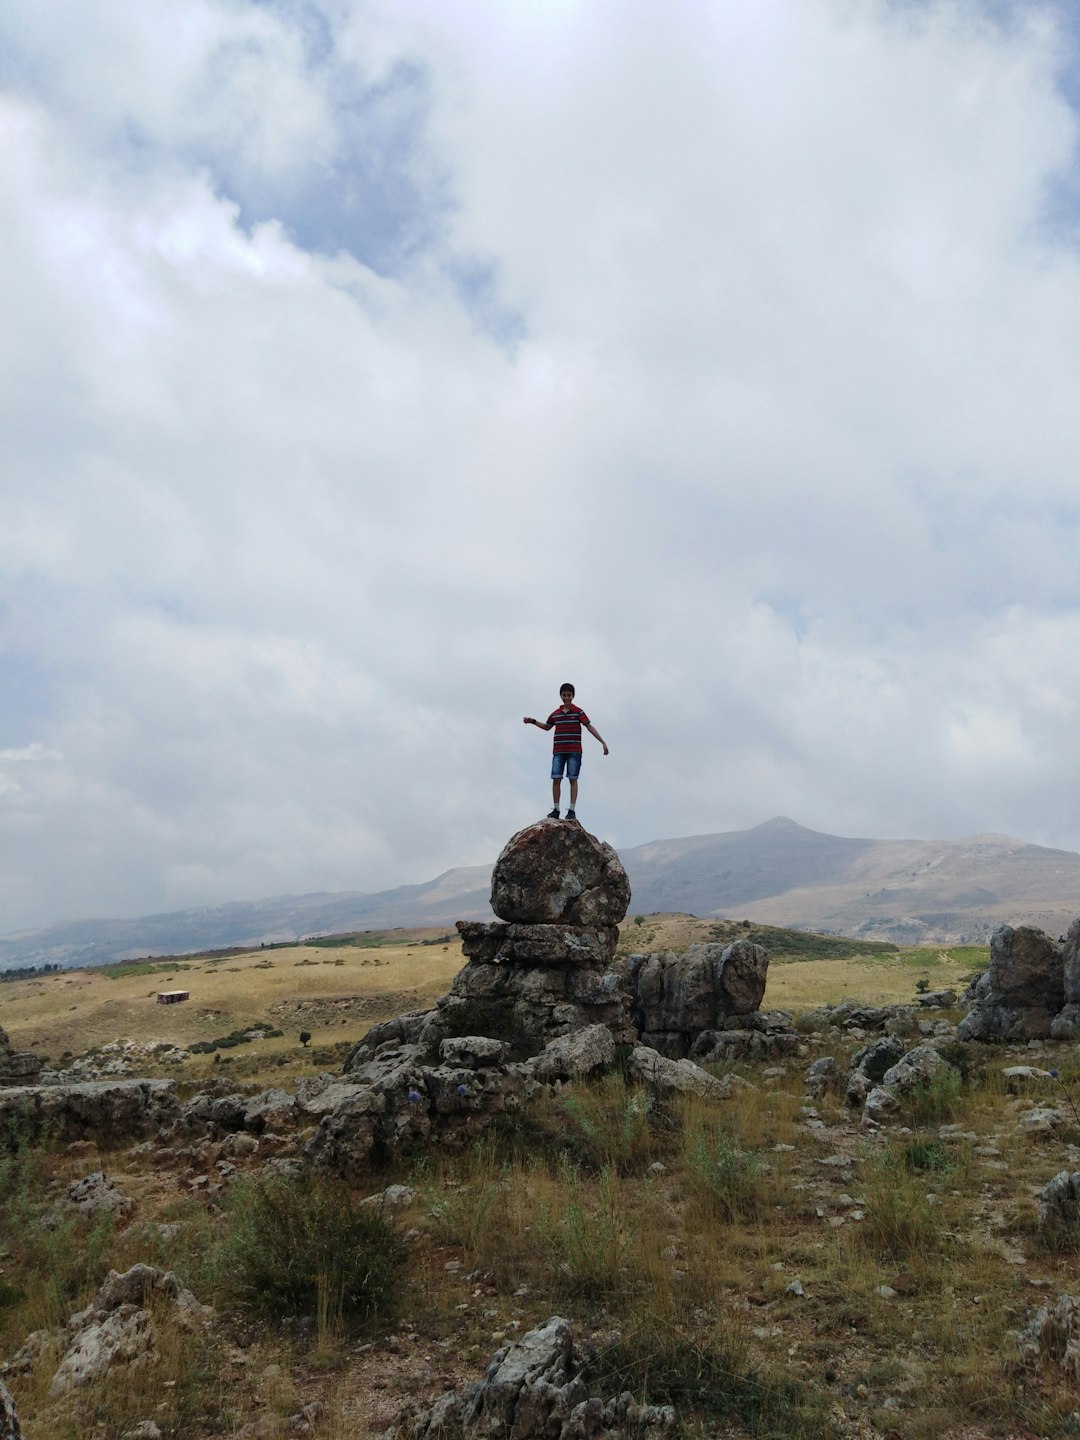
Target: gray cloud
<point>370,370</point>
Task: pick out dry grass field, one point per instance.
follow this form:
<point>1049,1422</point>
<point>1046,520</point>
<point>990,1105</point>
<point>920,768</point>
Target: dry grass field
<point>333,993</point>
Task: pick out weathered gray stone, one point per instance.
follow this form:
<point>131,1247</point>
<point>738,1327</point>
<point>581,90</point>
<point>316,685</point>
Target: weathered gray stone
<point>472,1051</point>
<point>1070,964</point>
<point>535,1390</point>
<point>1054,1336</point>
<point>106,1110</point>
<point>117,1328</point>
<point>1058,1210</point>
<point>95,1193</point>
<point>9,1421</point>
<point>920,1066</point>
<point>581,1053</point>
<point>492,942</point>
<point>675,998</point>
<point>668,1076</point>
<point>1021,991</point>
<point>868,1067</point>
<point>551,872</point>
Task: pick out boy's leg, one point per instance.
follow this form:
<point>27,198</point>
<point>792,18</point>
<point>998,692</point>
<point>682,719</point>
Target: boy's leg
<point>573,792</point>
<point>556,790</point>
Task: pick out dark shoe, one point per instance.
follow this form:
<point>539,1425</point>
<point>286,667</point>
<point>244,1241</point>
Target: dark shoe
<point>571,814</point>
<point>553,814</point>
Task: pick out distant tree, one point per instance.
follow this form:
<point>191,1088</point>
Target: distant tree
<point>305,1037</point>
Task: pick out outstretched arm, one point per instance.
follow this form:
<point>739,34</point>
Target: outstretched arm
<point>598,736</point>
<point>540,724</point>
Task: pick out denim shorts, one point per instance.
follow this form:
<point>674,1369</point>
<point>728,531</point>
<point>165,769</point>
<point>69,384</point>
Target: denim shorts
<point>570,760</point>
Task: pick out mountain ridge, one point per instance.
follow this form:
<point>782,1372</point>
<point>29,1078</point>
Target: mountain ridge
<point>778,872</point>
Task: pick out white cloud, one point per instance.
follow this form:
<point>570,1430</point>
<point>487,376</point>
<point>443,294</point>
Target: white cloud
<point>780,470</point>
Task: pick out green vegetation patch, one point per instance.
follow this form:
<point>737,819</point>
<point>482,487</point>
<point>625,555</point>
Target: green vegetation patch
<point>710,1381</point>
<point>127,969</point>
<point>299,1249</point>
<point>259,1030</point>
<point>785,944</point>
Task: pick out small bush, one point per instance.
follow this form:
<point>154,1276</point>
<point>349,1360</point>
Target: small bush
<point>935,1100</point>
<point>899,1221</point>
<point>728,1180</point>
<point>705,1380</point>
<point>609,1126</point>
<point>299,1249</point>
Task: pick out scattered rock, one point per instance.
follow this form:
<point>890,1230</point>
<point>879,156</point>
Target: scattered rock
<point>95,1193</point>
<point>1058,1210</point>
<point>820,1076</point>
<point>9,1421</point>
<point>535,1389</point>
<point>1052,1336</point>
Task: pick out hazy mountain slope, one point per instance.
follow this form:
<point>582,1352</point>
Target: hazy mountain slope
<point>458,894</point>
<point>704,874</point>
<point>778,873</point>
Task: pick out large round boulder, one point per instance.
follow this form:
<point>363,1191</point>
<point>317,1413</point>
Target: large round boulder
<point>555,872</point>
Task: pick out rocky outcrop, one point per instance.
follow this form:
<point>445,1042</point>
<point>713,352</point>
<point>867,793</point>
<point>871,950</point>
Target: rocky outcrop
<point>110,1111</point>
<point>869,1067</point>
<point>115,1329</point>
<point>921,1066</point>
<point>537,1389</point>
<point>1058,1210</point>
<point>677,998</point>
<point>1022,992</point>
<point>556,872</point>
<point>9,1421</point>
<point>17,1067</point>
<point>1054,1336</point>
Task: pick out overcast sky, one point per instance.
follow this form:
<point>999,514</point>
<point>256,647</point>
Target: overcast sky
<point>370,367</point>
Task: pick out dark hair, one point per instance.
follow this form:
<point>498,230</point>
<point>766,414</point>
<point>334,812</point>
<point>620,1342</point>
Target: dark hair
<point>567,686</point>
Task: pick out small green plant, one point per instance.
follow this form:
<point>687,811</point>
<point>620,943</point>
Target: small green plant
<point>298,1248</point>
<point>922,985</point>
<point>898,1222</point>
<point>707,1379</point>
<point>727,1179</point>
<point>609,1126</point>
<point>305,1038</point>
<point>935,1099</point>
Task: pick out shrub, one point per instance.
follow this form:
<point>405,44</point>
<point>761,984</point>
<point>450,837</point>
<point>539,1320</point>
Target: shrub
<point>298,1248</point>
<point>935,1099</point>
<point>726,1179</point>
<point>609,1126</point>
<point>899,1221</point>
<point>707,1379</point>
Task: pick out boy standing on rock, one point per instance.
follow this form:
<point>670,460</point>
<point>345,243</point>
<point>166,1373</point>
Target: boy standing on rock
<point>567,722</point>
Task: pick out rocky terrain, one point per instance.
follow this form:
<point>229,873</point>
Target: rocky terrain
<point>620,1198</point>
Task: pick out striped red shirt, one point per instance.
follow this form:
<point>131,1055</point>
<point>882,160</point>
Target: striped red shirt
<point>568,725</point>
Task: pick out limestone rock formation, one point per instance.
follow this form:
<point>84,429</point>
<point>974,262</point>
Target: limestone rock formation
<point>537,1389</point>
<point>924,1065</point>
<point>554,871</point>
<point>9,1421</point>
<point>869,1067</point>
<point>115,1329</point>
<point>110,1110</point>
<point>1054,1336</point>
<point>1022,991</point>
<point>1058,1210</point>
<point>675,998</point>
<point>17,1067</point>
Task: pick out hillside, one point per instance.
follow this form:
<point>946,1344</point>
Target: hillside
<point>779,873</point>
